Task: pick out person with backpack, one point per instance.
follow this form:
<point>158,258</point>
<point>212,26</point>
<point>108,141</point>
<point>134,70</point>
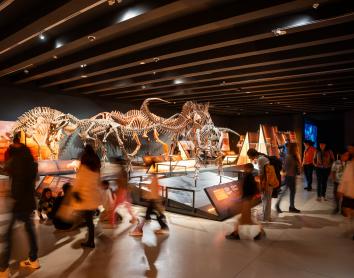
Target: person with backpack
<point>292,169</point>
<point>267,177</point>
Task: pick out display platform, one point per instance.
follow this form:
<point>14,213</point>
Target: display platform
<point>57,167</point>
<point>212,196</point>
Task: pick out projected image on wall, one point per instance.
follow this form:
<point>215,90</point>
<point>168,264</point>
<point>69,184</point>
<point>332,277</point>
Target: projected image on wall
<point>310,132</point>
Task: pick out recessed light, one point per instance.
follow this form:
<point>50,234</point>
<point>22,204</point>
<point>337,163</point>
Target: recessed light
<point>303,113</point>
<point>91,38</point>
<point>344,98</point>
<point>324,94</point>
<point>26,71</point>
<point>262,97</point>
<point>279,32</point>
<point>42,37</point>
<point>288,106</point>
<point>154,72</point>
<point>58,44</point>
<point>329,84</point>
<point>83,76</point>
<point>83,65</point>
<point>239,114</point>
<point>270,102</point>
<point>178,81</point>
<point>143,87</point>
<point>156,59</point>
<point>315,5</point>
<point>55,57</point>
<point>247,92</point>
<point>142,63</point>
<point>267,112</point>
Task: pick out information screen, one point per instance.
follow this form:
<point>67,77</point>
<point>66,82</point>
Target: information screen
<point>310,132</point>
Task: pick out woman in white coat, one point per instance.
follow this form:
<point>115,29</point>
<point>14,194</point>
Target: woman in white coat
<point>86,191</point>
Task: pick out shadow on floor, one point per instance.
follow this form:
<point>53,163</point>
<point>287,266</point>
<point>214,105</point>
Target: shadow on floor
<point>301,221</point>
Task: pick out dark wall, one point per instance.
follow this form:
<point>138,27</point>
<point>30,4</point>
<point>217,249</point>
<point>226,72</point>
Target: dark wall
<point>349,127</point>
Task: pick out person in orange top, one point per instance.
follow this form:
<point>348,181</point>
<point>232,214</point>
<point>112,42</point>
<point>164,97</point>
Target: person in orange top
<point>307,163</point>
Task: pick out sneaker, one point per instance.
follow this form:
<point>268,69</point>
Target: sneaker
<point>162,231</point>
<point>258,237</point>
<point>294,210</point>
<point>5,273</point>
<point>88,245</point>
<point>136,233</point>
<point>278,209</point>
<point>233,236</point>
<point>30,264</point>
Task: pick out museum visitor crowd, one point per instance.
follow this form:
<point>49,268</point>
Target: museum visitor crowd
<point>88,198</point>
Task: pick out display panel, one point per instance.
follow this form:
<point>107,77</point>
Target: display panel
<point>310,132</point>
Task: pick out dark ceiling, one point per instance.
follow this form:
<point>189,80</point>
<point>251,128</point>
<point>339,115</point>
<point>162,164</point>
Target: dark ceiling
<point>244,57</point>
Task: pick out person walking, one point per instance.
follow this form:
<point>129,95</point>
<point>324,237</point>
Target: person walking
<point>292,169</point>
<point>346,187</point>
<point>307,163</point>
<point>267,190</point>
<point>323,160</point>
<point>337,171</point>
<point>22,170</point>
<point>86,191</point>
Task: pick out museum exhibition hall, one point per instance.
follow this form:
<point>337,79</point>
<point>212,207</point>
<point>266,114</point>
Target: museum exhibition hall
<point>176,138</point>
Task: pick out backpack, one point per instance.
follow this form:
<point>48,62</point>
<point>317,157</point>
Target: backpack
<point>277,166</point>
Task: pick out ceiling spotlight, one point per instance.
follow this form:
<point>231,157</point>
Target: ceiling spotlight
<point>55,57</point>
<point>91,38</point>
<point>344,98</point>
<point>178,81</point>
<point>267,112</point>
<point>143,87</point>
<point>156,59</point>
<point>58,44</point>
<point>26,71</point>
<point>324,94</point>
<point>83,66</point>
<point>154,72</point>
<point>41,36</point>
<point>303,113</point>
<point>315,5</point>
<point>329,84</point>
<point>142,63</point>
<point>247,92</point>
<point>112,2</point>
<point>279,32</point>
<point>83,76</point>
<point>223,83</point>
<point>288,106</point>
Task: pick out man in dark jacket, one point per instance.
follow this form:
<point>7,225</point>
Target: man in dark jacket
<point>22,170</point>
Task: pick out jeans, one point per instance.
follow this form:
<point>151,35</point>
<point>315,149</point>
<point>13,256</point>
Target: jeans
<point>308,170</point>
<point>26,218</point>
<point>322,178</point>
<point>290,183</point>
<point>267,203</point>
<point>88,216</point>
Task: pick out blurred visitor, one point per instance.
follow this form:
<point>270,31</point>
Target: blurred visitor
<point>123,197</point>
<point>291,169</point>
<point>346,189</point>
<point>60,224</point>
<point>107,200</point>
<point>249,192</point>
<point>86,194</point>
<point>307,163</point>
<point>266,188</point>
<point>45,205</point>
<point>323,160</point>
<point>22,170</point>
<point>337,173</point>
<point>155,206</point>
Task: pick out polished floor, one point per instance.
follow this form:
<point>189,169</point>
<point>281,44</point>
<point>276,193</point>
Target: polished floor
<point>314,244</point>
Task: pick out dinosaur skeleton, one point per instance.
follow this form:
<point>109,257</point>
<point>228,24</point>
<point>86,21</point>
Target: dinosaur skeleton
<point>48,126</point>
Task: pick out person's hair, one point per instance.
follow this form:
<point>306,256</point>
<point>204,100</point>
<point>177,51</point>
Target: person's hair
<point>105,182</point>
<point>249,166</point>
<point>66,187</point>
<point>90,159</point>
<point>252,153</point>
<point>44,192</point>
<point>16,140</point>
<point>308,142</point>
